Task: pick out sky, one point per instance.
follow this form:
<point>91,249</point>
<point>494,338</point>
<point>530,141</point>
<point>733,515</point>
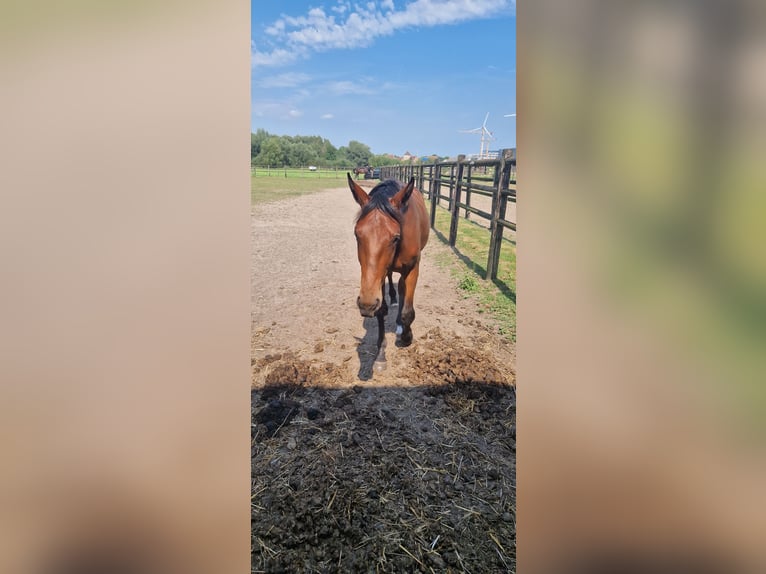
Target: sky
<point>397,75</point>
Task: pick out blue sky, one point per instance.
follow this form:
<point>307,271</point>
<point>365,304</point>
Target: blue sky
<point>397,75</point>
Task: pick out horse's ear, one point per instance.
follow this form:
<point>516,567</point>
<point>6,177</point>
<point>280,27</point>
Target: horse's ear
<point>403,195</point>
<point>360,196</point>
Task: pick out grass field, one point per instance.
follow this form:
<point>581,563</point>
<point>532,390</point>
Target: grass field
<point>498,297</point>
<point>274,187</point>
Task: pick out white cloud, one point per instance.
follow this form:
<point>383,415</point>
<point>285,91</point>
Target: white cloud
<point>287,80</point>
<point>266,109</point>
<point>345,87</point>
<point>326,117</point>
<point>341,7</point>
<point>301,94</point>
<point>276,28</point>
<point>277,57</point>
<point>295,37</point>
<point>275,109</point>
<point>363,86</point>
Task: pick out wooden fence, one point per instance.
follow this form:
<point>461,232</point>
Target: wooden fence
<point>466,180</point>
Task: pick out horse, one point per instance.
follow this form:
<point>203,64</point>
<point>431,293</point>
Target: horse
<point>360,171</point>
<point>391,230</point>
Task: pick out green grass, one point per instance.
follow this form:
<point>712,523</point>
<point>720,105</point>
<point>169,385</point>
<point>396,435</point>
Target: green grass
<point>498,297</point>
<point>468,283</point>
<point>265,188</point>
<point>293,172</point>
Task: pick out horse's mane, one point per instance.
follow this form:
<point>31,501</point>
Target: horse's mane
<point>379,199</point>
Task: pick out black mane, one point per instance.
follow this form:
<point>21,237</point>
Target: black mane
<point>379,199</point>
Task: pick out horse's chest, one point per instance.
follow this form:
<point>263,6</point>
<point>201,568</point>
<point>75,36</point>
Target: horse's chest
<point>404,262</point>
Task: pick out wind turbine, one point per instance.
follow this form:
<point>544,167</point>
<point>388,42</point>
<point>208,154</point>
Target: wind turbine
<point>509,116</point>
<point>486,137</point>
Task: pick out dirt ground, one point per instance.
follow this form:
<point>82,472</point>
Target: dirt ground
<point>408,469</point>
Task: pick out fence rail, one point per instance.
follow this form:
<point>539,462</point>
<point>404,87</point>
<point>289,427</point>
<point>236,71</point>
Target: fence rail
<point>463,180</point>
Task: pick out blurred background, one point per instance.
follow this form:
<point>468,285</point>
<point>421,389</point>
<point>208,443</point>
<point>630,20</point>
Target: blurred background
<point>124,287</point>
<point>642,285</point>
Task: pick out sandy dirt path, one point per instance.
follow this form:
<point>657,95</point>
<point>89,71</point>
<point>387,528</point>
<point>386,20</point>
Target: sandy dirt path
<point>305,282</point>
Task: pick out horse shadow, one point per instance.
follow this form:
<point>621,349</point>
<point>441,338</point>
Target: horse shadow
<point>367,347</point>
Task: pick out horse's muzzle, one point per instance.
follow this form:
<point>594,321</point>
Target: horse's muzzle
<point>368,309</point>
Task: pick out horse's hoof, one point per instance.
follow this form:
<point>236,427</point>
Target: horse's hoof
<point>380,366</point>
<point>404,340</point>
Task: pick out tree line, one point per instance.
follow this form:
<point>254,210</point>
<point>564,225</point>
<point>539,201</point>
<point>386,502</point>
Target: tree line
<point>295,151</point>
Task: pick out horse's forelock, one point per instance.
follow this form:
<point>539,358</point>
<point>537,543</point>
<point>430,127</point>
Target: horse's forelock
<point>379,200</point>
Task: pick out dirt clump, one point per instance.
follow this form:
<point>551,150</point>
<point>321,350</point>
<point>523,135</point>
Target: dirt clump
<point>276,414</point>
<point>289,375</point>
<point>450,361</point>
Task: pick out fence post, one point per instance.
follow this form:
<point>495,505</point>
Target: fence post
<point>451,187</point>
<point>439,176</point>
<point>431,171</point>
<point>498,212</point>
<point>435,190</point>
<point>455,201</point>
<point>468,189</point>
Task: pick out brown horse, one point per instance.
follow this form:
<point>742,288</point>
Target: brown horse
<point>391,231</point>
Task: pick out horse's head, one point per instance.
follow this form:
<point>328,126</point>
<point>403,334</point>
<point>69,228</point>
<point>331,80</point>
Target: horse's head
<point>378,234</point>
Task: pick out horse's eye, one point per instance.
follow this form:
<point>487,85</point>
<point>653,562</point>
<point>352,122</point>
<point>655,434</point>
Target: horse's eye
<point>396,238</point>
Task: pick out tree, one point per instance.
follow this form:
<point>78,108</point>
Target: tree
<point>330,153</point>
<point>271,153</point>
<point>268,149</point>
<point>383,160</point>
<point>301,154</point>
<point>256,141</point>
<point>358,153</point>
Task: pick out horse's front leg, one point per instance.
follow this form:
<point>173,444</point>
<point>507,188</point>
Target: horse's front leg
<point>391,290</point>
<point>380,358</point>
<point>406,315</point>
